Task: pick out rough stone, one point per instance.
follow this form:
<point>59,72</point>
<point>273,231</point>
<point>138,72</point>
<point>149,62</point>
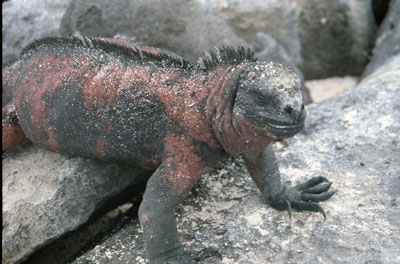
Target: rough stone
<point>181,26</point>
<point>352,139</point>
<point>25,21</point>
<point>248,17</point>
<point>336,37</point>
<point>266,48</point>
<point>324,38</point>
<point>387,43</point>
<point>46,195</point>
<point>326,88</point>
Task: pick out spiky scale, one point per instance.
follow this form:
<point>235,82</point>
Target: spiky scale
<point>110,100</point>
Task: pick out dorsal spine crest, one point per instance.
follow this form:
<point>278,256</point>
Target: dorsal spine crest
<point>109,47</point>
<point>225,55</point>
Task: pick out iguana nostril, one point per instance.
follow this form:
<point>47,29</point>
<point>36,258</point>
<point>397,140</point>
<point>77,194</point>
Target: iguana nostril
<point>289,109</point>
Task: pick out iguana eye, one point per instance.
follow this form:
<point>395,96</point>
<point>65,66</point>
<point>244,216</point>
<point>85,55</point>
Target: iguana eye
<point>260,98</point>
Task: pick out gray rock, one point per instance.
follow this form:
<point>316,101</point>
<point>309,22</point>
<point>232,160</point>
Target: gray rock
<point>181,26</point>
<point>387,43</point>
<point>46,195</point>
<point>25,21</point>
<point>248,17</point>
<point>324,38</point>
<point>336,37</point>
<point>266,48</point>
<point>352,139</point>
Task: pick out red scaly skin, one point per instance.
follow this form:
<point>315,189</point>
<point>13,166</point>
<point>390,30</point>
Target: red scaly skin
<point>113,101</point>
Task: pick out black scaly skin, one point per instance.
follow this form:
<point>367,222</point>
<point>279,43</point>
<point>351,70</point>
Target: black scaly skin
<point>110,100</point>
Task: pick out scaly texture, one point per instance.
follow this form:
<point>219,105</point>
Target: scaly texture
<point>110,100</point>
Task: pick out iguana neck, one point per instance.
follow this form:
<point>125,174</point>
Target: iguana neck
<point>234,133</point>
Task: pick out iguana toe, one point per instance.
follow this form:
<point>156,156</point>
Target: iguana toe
<point>318,189</point>
<point>308,206</point>
<point>311,183</point>
<point>191,257</point>
<point>304,196</point>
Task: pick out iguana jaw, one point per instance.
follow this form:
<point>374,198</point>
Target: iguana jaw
<point>283,127</point>
<point>278,131</point>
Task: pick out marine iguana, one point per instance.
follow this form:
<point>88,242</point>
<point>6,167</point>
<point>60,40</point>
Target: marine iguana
<point>113,101</point>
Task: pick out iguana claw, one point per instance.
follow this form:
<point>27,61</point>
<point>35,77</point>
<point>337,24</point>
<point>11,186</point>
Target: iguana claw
<point>304,196</point>
<point>191,257</point>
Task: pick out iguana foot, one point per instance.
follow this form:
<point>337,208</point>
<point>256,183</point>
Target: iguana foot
<point>190,257</point>
<point>304,196</point>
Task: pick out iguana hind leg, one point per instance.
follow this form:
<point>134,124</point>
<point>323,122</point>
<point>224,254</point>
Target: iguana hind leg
<point>12,135</point>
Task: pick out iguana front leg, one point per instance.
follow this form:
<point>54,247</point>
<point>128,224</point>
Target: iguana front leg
<point>166,189</point>
<point>264,170</point>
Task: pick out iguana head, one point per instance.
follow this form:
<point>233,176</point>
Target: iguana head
<point>269,99</point>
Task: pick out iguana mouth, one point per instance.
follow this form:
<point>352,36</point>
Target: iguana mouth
<point>279,129</point>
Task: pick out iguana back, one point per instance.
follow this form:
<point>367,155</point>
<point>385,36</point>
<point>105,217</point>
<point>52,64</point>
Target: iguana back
<point>102,99</point>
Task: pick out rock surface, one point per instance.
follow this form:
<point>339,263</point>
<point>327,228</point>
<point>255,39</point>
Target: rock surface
<point>387,43</point>
<point>181,26</point>
<point>352,139</point>
<point>326,88</point>
<point>26,20</point>
<point>46,195</point>
<point>324,38</point>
